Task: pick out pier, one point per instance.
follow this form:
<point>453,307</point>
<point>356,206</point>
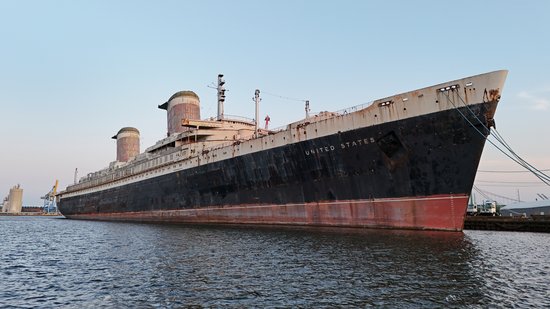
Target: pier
<point>534,223</point>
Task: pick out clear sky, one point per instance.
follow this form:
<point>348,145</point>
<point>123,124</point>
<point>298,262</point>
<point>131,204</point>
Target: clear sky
<point>72,73</point>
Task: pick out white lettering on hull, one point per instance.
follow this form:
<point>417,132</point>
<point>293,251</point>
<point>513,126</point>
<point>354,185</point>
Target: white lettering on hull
<point>343,146</point>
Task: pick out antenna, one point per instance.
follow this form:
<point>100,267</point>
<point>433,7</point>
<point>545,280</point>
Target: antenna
<point>257,101</point>
<point>307,109</point>
<point>75,174</point>
<point>221,96</point>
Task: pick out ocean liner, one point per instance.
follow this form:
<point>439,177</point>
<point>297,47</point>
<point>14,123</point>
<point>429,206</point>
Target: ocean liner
<point>406,161</point>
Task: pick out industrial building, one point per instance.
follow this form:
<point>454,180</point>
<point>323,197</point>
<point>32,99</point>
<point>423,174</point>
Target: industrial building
<point>14,202</point>
<point>526,208</point>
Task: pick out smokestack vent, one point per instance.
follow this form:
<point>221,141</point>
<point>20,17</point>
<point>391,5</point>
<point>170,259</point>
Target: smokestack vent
<point>127,144</point>
<point>181,105</point>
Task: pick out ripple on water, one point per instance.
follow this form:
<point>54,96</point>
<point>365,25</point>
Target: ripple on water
<point>51,262</point>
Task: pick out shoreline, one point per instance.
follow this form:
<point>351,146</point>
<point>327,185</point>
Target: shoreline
<point>27,214</point>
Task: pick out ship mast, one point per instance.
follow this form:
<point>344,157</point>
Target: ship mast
<point>221,96</point>
<point>257,101</point>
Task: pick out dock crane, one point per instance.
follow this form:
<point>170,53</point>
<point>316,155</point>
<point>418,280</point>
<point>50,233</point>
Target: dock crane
<point>49,200</point>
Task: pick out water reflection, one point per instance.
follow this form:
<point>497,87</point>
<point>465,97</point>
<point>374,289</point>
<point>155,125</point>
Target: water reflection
<point>314,267</point>
<point>128,265</point>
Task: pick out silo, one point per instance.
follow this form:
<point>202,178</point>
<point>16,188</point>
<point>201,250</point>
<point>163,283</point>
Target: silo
<point>127,144</point>
<point>15,200</point>
<point>181,105</point>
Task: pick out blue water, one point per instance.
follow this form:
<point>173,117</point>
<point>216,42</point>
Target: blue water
<point>49,262</point>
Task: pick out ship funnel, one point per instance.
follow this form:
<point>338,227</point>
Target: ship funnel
<point>127,144</point>
<point>181,105</point>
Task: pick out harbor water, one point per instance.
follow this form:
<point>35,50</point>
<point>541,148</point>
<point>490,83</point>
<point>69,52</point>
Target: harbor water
<point>54,262</point>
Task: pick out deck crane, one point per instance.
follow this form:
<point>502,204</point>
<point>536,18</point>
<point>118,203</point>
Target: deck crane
<point>49,200</point>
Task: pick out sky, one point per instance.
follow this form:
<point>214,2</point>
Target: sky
<point>72,73</point>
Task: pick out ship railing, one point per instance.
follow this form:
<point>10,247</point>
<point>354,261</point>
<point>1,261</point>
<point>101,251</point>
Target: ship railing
<point>232,117</point>
<point>340,112</point>
<point>354,108</point>
<point>238,118</point>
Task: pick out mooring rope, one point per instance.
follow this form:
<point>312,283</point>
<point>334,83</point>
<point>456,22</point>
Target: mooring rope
<point>496,135</point>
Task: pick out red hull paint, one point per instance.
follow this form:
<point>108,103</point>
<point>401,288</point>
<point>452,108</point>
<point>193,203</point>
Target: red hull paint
<point>441,212</point>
